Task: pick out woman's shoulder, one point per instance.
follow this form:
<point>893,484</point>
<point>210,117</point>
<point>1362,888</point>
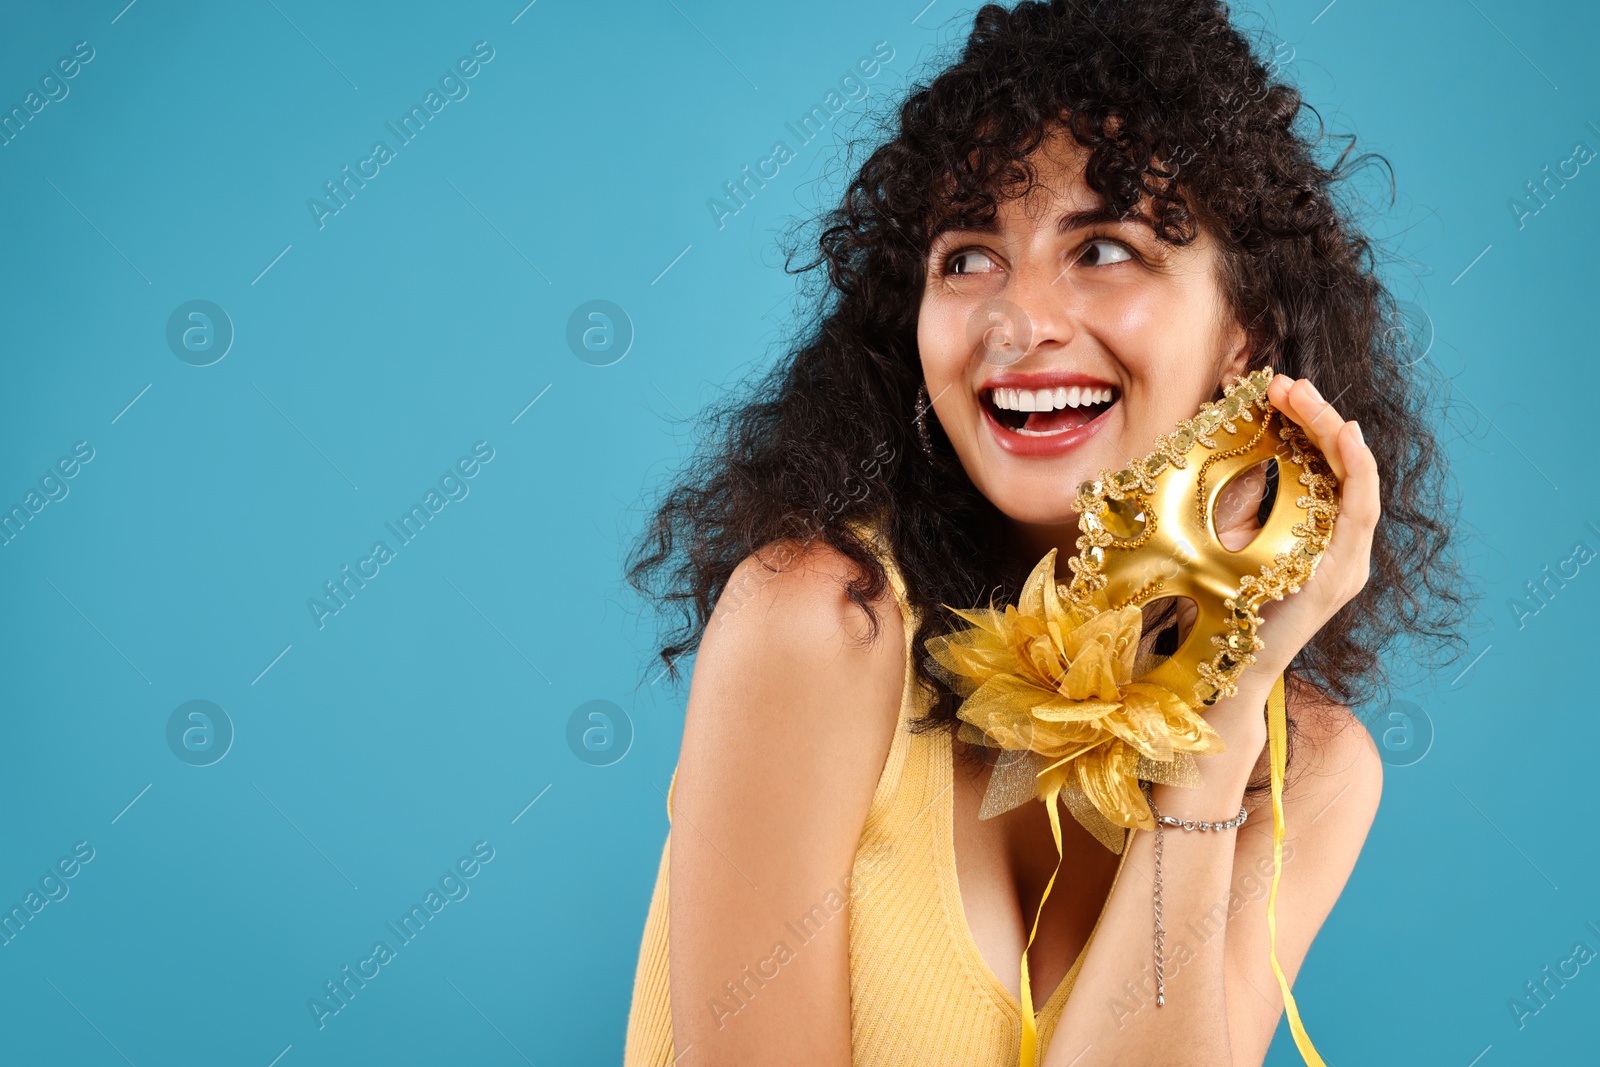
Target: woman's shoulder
<point>1336,768</point>
<point>798,593</point>
<point>789,660</point>
<point>1335,735</point>
<point>793,701</point>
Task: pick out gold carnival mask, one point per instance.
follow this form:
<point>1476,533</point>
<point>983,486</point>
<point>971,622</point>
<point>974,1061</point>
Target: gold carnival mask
<point>1151,531</point>
<point>1058,681</point>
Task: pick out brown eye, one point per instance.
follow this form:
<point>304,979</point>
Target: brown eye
<point>1103,253</point>
<point>969,261</point>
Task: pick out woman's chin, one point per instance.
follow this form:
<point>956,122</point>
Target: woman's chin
<point>1040,516</point>
<point>1038,492</point>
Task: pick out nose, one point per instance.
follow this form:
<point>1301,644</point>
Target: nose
<point>1034,313</point>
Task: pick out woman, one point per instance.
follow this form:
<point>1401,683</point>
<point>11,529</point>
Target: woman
<point>1092,222</point>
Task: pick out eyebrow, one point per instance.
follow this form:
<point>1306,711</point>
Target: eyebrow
<point>1094,216</point>
<point>1071,220</point>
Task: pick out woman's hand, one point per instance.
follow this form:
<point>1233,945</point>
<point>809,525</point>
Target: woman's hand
<point>1289,624</point>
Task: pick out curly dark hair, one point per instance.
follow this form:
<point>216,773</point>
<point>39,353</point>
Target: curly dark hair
<point>1185,127</point>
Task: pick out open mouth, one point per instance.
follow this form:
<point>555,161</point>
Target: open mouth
<point>1048,412</point>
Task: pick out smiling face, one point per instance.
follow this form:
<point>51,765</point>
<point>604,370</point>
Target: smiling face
<point>1058,342</point>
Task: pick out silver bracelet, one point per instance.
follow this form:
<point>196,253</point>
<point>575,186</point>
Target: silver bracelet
<point>1161,931</point>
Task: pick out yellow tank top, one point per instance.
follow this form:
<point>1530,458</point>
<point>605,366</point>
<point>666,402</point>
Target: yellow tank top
<point>920,991</point>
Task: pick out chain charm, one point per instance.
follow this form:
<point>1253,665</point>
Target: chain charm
<point>1160,945</point>
<point>1161,931</point>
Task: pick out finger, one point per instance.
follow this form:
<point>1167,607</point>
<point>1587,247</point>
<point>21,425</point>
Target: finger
<point>1346,565</point>
<point>1300,401</point>
<point>1359,497</point>
<point>1350,548</point>
<point>1320,420</point>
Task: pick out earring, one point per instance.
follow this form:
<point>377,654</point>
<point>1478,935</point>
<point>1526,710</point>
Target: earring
<point>921,419</point>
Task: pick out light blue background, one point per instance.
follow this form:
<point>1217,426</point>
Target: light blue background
<point>426,315</point>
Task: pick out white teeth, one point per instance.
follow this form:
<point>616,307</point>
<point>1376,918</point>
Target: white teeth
<point>1050,399</point>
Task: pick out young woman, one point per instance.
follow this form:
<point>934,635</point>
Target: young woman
<point>1094,220</point>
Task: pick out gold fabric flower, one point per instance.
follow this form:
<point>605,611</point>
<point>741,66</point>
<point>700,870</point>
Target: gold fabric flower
<point>1056,681</point>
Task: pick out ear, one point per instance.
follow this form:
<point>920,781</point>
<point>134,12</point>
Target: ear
<point>1238,347</point>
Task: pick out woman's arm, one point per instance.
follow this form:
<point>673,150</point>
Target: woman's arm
<point>789,722</point>
<point>1222,1001</point>
<point>1111,1016</point>
<point>1328,808</point>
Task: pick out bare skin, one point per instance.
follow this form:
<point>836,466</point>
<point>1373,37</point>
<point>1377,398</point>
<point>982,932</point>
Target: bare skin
<point>790,715</point>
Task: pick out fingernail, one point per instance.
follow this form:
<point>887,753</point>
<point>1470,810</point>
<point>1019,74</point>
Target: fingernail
<point>1314,394</point>
<point>1360,440</point>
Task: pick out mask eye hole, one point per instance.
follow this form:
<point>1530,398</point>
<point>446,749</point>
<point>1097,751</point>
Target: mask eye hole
<point>1166,626</point>
<point>1244,504</point>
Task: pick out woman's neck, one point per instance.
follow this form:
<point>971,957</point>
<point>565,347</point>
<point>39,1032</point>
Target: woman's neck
<point>1028,543</point>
